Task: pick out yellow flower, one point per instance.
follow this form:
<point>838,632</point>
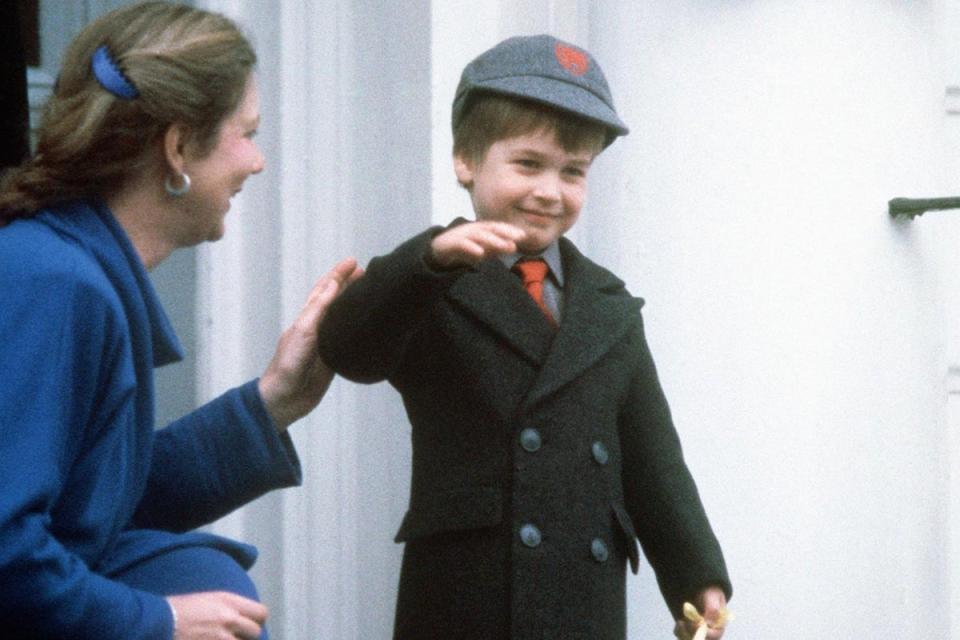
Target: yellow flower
<point>690,613</point>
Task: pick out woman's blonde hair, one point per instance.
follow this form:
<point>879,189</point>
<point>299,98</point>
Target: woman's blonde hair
<point>187,65</point>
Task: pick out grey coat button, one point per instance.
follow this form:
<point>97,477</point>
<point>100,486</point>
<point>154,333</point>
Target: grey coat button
<point>530,536</point>
<point>599,550</point>
<point>530,440</point>
<point>600,453</point>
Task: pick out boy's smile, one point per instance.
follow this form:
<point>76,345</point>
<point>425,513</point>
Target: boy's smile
<point>529,181</point>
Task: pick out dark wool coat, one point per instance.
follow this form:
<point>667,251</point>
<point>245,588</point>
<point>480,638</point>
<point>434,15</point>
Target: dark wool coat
<point>539,457</point>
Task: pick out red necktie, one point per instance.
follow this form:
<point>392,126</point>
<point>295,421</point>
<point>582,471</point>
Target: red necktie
<point>532,272</point>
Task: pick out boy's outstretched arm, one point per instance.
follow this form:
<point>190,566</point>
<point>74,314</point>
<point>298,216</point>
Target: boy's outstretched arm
<point>366,330</point>
<point>662,498</point>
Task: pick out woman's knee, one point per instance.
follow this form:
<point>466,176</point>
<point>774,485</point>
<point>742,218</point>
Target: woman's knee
<point>189,570</point>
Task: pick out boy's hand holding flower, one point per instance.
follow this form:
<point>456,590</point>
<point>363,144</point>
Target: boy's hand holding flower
<point>709,625</point>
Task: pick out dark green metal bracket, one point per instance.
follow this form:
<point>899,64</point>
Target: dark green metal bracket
<point>914,207</point>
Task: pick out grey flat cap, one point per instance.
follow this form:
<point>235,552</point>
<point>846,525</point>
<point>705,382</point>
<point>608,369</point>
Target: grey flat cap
<point>543,69</point>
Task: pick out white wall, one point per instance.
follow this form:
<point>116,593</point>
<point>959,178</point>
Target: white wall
<point>346,132</point>
<point>800,333</point>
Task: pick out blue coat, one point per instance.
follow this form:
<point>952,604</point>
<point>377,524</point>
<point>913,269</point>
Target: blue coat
<point>87,486</point>
<point>540,458</point>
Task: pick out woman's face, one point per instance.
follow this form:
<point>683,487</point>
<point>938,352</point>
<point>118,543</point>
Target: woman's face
<point>219,175</point>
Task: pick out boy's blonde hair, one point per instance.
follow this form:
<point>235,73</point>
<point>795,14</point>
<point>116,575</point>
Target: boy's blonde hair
<point>491,117</point>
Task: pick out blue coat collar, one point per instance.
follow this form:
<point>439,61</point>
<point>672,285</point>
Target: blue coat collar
<point>92,224</point>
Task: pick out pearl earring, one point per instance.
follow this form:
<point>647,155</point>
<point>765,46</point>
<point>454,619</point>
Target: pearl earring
<point>176,192</point>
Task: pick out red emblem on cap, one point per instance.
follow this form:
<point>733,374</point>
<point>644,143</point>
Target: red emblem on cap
<point>572,59</point>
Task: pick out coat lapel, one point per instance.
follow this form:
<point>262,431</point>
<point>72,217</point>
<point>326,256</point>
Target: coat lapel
<point>93,225</point>
<point>496,298</point>
<point>597,312</point>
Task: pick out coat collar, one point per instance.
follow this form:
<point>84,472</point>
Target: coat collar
<point>597,312</point>
<point>92,224</point>
<point>496,298</point>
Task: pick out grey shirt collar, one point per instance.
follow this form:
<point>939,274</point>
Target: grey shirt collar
<point>551,256</point>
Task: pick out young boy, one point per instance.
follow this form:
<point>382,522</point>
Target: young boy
<point>543,446</point>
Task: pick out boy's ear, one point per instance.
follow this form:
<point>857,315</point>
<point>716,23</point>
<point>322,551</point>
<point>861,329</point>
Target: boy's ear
<point>464,168</point>
<point>174,147</point>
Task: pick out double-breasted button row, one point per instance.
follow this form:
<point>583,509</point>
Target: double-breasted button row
<point>531,537</point>
<point>531,441</point>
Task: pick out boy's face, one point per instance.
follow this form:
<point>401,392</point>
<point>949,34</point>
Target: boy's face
<point>529,181</point>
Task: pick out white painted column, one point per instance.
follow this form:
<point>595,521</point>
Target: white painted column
<point>319,555</point>
<point>288,227</point>
<point>344,92</point>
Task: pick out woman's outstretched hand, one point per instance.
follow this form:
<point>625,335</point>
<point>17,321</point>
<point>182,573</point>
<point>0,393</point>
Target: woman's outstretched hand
<point>296,378</point>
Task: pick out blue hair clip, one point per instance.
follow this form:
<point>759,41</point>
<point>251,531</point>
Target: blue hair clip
<point>110,76</point>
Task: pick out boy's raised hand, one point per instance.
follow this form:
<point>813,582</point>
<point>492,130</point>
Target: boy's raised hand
<point>473,242</point>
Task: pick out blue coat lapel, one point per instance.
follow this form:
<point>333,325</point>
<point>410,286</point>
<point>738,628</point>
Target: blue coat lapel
<point>152,341</point>
<point>94,227</point>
